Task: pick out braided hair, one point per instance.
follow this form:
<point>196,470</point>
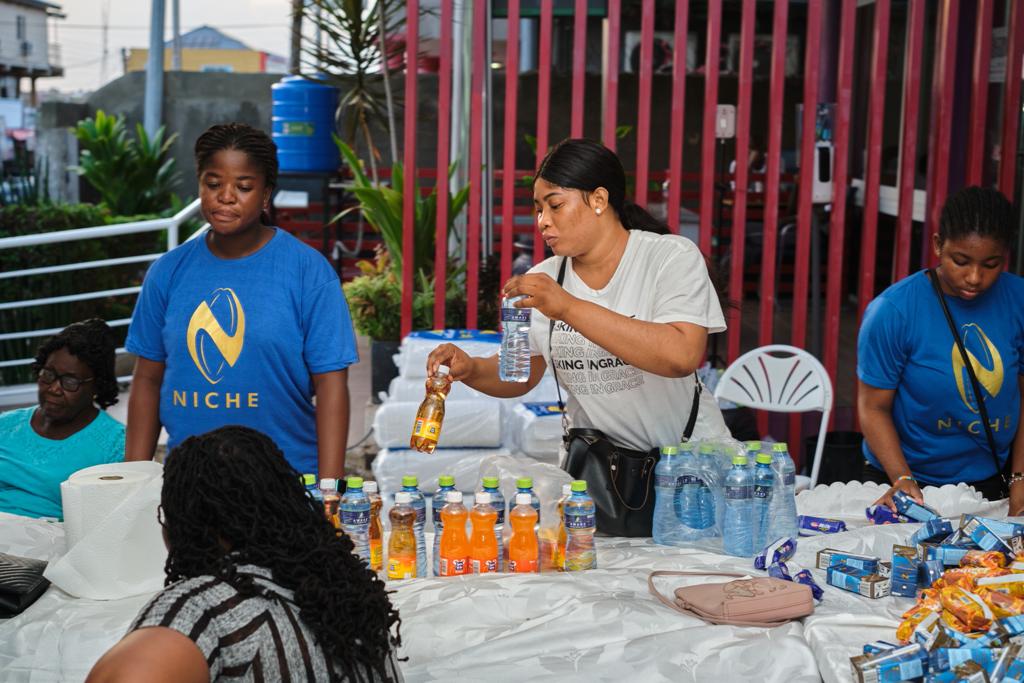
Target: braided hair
<point>253,142</point>
<point>92,342</point>
<point>981,211</point>
<point>229,498</point>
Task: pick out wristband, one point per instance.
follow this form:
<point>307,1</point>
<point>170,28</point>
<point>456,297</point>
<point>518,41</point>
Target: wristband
<point>1014,478</point>
<point>910,477</point>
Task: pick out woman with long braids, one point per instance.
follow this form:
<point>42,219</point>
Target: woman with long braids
<point>916,400</point>
<point>243,325</point>
<point>259,585</point>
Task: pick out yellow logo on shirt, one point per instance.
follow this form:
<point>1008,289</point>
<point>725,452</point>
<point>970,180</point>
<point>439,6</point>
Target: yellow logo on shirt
<point>209,344</point>
<point>986,361</point>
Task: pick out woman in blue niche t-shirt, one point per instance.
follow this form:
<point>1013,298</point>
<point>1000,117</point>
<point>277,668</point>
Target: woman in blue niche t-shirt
<point>244,324</point>
<point>916,405</point>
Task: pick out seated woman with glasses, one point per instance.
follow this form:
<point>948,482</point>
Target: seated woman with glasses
<point>42,445</point>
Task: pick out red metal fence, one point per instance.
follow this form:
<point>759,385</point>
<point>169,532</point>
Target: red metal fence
<point>831,56</point>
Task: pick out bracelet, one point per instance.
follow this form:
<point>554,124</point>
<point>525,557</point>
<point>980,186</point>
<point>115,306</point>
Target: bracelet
<point>1015,477</point>
<point>910,477</point>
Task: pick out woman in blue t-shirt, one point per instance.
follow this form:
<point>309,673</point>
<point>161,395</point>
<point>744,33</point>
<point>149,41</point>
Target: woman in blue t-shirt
<point>916,403</point>
<point>42,445</point>
<point>244,324</point>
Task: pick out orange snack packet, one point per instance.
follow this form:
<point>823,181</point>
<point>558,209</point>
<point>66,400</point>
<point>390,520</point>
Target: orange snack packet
<point>1012,584</point>
<point>992,559</point>
<point>967,607</point>
<point>1003,604</point>
<point>912,618</point>
<point>967,577</point>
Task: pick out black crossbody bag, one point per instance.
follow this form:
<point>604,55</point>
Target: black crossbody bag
<point>975,385</point>
<point>620,480</point>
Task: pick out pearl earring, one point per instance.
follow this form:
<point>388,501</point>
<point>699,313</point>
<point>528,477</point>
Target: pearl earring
<point>598,212</point>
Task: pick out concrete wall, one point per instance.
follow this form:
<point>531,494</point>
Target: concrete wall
<point>57,147</point>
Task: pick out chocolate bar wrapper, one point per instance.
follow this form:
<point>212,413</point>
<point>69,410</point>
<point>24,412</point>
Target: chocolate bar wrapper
<point>830,557</point>
<point>1007,583</point>
<point>881,514</point>
<point>993,559</point>
<point>868,584</point>
<point>804,576</point>
<point>778,550</point>
<point>908,507</point>
<point>779,570</point>
<point>813,526</point>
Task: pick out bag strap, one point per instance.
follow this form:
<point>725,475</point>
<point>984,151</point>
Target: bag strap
<point>699,613</point>
<point>690,423</point>
<point>975,385</point>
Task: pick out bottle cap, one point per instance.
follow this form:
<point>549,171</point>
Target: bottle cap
<point>524,483</point>
<point>483,498</point>
<point>443,370</point>
<point>707,448</point>
<point>452,496</point>
<point>355,483</point>
<point>752,445</point>
<point>329,484</point>
<point>403,498</point>
<point>763,459</point>
<point>370,486</point>
<point>410,480</point>
<point>523,499</point>
<point>780,447</point>
<point>446,480</point>
<point>739,460</point>
<point>490,482</point>
<point>308,479</point>
<point>670,450</point>
<point>566,489</point>
<point>579,486</point>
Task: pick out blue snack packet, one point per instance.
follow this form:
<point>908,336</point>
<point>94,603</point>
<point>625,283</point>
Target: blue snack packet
<point>813,526</point>
<point>908,507</point>
<point>935,530</point>
<point>779,570</point>
<point>804,576</point>
<point>880,514</point>
<point>779,550</point>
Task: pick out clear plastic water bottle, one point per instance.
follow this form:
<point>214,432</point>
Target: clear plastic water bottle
<point>514,353</point>
<point>419,504</point>
<point>764,485</point>
<point>665,527</point>
<point>737,525</point>
<point>710,493</point>
<point>355,517</point>
<point>490,485</point>
<point>784,518</point>
<point>445,483</point>
<point>688,503</point>
<point>309,481</point>
<point>580,527</point>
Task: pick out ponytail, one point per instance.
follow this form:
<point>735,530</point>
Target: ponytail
<point>635,217</point>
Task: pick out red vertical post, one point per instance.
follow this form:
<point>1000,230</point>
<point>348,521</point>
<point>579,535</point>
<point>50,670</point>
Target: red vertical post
<point>979,91</point>
<point>739,216</point>
<point>611,75</point>
<point>908,153</point>
<point>876,113</point>
<point>707,156</point>
<point>840,180</point>
<point>479,68</point>
<point>579,67</point>
<point>675,152</point>
<point>412,28</point>
<point>643,122</point>
<point>939,133</point>
<point>1011,100</point>
<point>444,116</point>
<point>543,99</point>
<point>508,178</point>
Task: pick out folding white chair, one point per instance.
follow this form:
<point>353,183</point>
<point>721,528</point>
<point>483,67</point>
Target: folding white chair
<point>781,379</point>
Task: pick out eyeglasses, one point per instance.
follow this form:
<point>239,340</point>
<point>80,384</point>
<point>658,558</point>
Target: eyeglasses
<point>67,382</point>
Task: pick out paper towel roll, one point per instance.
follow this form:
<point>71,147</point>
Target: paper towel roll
<point>89,495</point>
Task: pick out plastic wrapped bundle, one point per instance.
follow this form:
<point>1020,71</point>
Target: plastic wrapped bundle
<point>467,424</point>
<point>412,355</point>
<point>391,465</point>
<point>535,429</point>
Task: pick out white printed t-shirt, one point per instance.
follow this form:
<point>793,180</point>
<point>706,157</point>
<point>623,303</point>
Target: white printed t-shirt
<point>661,279</point>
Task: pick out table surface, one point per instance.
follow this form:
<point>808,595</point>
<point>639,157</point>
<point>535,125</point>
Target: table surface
<point>595,625</point>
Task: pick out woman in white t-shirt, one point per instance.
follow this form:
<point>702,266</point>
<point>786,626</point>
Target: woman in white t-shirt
<point>632,316</point>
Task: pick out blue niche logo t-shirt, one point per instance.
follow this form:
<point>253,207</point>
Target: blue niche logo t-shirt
<point>240,339</point>
<point>905,344</point>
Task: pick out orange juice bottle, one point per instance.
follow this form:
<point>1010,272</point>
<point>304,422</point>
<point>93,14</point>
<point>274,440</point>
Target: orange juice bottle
<point>483,549</point>
<point>523,553</point>
<point>331,498</point>
<point>376,529</point>
<point>402,544</point>
<point>562,538</point>
<point>454,544</point>
<point>427,428</point>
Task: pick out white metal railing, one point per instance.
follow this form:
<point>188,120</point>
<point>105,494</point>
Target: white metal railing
<point>172,224</point>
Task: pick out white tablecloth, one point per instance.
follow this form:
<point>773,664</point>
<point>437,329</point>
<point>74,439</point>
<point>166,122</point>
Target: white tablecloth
<point>596,625</point>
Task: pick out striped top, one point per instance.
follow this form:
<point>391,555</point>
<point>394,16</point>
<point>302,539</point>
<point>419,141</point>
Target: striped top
<point>243,638</point>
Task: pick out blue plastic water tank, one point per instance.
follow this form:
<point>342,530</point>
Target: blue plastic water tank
<point>303,121</point>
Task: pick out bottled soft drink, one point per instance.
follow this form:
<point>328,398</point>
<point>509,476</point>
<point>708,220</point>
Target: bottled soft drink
<point>454,544</point>
<point>355,517</point>
<point>445,483</point>
<point>376,528</point>
<point>331,500</point>
<point>737,526</point>
<point>523,551</point>
<point>514,352</point>
<point>490,485</point>
<point>309,481</point>
<point>559,556</point>
<point>525,485</point>
<point>426,430</point>
<point>580,527</point>
<point>784,517</point>
<point>665,525</point>
<point>419,504</point>
<point>483,544</point>
<point>764,484</point>
<point>710,493</point>
<point>402,543</point>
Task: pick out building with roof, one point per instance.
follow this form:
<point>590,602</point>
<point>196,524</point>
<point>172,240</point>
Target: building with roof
<point>207,49</point>
<point>25,47</point>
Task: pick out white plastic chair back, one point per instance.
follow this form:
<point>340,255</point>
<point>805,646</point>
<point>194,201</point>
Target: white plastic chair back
<point>782,379</point>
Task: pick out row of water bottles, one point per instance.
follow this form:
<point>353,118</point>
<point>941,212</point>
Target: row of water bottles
<point>714,491</point>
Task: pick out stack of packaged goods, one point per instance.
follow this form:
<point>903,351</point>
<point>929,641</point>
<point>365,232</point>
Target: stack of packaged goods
<point>861,574</point>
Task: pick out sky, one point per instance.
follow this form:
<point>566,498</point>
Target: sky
<point>261,24</point>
